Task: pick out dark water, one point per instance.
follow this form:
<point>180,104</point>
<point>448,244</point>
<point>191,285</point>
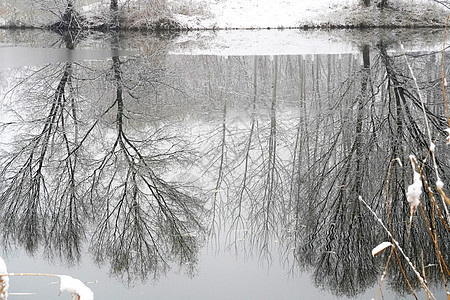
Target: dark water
<point>167,176</point>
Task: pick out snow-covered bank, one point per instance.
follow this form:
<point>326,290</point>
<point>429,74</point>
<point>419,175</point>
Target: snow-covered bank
<point>254,14</point>
<point>231,14</point>
<point>262,14</point>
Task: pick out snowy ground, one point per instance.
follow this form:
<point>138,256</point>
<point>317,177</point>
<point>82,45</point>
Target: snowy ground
<point>256,13</point>
<point>228,14</point>
<point>262,14</point>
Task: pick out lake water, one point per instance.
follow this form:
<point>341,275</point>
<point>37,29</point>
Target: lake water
<point>220,165</point>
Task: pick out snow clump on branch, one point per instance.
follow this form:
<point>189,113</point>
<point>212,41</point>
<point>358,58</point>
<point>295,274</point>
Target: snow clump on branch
<point>414,190</point>
<point>74,286</point>
<point>447,140</point>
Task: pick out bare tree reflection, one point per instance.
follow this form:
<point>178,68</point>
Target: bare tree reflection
<point>337,245</point>
<point>38,204</point>
<point>72,171</point>
<point>336,147</point>
<point>146,222</point>
<point>409,135</point>
<point>286,144</point>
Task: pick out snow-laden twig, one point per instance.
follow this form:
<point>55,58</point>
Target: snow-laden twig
<point>415,189</point>
<point>75,287</point>
<point>78,289</point>
<point>384,272</point>
<point>397,246</point>
<point>447,140</point>
<point>378,249</point>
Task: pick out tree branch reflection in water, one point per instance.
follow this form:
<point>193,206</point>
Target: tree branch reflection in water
<point>78,171</point>
<point>339,148</point>
<point>148,222</point>
<point>38,204</point>
<point>286,143</point>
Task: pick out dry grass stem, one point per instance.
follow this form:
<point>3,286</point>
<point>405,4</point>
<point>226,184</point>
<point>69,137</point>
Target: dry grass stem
<point>390,224</point>
<point>439,183</point>
<point>434,239</point>
<point>423,271</point>
<point>384,272</point>
<point>397,246</point>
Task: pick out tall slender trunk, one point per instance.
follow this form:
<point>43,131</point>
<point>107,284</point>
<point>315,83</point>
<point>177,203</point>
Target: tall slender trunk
<point>69,17</point>
<point>114,10</point>
<point>114,5</point>
<point>383,4</point>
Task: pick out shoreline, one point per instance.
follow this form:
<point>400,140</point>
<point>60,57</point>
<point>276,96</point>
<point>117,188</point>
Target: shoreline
<point>104,29</point>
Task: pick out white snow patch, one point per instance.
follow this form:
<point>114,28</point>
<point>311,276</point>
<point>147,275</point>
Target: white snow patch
<point>75,287</point>
<point>447,140</point>
<point>261,13</point>
<point>414,191</point>
<point>399,161</point>
<point>380,247</point>
<point>432,147</point>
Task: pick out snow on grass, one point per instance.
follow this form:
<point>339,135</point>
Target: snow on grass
<point>263,14</point>
<point>378,249</point>
<point>75,287</point>
<point>247,14</point>
<point>414,191</point>
<point>399,13</point>
<point>227,14</point>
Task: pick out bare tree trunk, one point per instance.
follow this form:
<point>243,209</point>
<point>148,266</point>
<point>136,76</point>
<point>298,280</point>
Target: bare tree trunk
<point>114,10</point>
<point>383,4</point>
<point>71,20</point>
<point>114,5</point>
<point>69,14</point>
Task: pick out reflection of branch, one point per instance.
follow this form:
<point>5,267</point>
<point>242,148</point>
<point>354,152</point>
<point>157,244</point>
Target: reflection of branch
<point>148,222</point>
<point>33,208</point>
<point>221,158</point>
<point>331,233</point>
<point>445,3</point>
<point>238,218</point>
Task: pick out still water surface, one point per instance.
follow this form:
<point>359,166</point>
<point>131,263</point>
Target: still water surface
<point>167,176</point>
